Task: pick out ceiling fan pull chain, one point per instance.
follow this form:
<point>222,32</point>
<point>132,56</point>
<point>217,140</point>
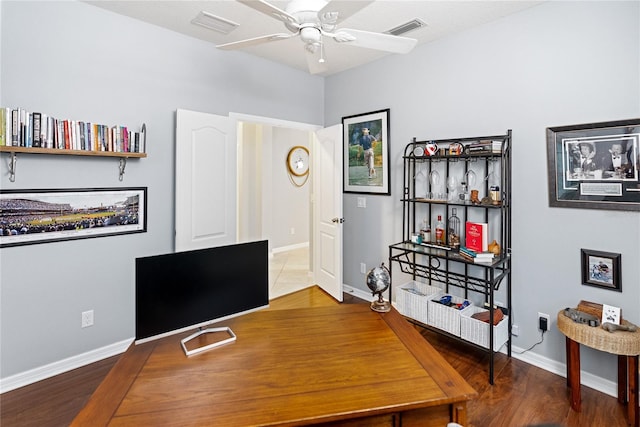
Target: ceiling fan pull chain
<point>321,60</point>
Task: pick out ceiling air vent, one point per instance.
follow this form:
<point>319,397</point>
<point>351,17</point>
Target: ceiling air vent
<point>406,27</point>
<point>213,22</point>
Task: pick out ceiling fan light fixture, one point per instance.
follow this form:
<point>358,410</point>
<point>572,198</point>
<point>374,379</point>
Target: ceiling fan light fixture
<point>414,24</point>
<point>310,35</point>
<point>215,23</point>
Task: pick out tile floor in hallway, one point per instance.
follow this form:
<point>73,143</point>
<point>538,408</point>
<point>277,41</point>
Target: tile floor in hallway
<point>289,272</point>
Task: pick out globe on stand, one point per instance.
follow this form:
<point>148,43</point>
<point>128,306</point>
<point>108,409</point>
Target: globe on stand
<point>379,280</point>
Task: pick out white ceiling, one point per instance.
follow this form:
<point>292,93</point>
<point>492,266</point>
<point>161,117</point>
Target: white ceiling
<point>443,18</point>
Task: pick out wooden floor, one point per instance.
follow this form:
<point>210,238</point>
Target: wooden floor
<point>523,395</point>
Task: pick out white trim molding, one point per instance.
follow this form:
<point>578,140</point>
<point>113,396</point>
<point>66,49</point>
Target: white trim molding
<point>56,368</point>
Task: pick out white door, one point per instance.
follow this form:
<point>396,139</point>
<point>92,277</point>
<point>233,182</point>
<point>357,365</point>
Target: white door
<point>205,205</point>
<point>327,210</point>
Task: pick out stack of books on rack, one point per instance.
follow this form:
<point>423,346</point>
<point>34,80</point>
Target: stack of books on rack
<point>22,128</point>
<point>476,257</point>
<point>483,147</point>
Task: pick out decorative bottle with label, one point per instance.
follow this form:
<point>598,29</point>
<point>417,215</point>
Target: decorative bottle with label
<point>425,230</point>
<point>440,236</point>
<point>453,230</point>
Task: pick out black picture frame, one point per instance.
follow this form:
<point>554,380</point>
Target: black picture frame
<point>601,269</point>
<point>357,176</point>
<point>42,216</point>
<point>589,179</point>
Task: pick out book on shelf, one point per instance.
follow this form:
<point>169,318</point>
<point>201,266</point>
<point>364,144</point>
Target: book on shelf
<point>477,236</point>
<point>474,254</point>
<point>35,129</point>
<point>483,260</point>
<point>4,131</point>
<point>476,257</point>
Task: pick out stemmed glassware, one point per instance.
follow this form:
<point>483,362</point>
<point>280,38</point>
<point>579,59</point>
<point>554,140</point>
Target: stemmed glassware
<point>452,185</point>
<point>470,177</point>
<point>434,178</point>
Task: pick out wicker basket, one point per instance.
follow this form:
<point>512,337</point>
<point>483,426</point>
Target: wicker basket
<point>477,331</point>
<point>443,317</point>
<point>413,297</point>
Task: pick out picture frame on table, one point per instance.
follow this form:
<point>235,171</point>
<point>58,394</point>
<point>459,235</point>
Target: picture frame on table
<point>595,165</point>
<point>42,216</point>
<point>601,269</point>
<point>366,155</point>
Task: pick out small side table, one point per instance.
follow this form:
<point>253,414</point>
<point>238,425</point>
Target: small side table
<point>624,344</point>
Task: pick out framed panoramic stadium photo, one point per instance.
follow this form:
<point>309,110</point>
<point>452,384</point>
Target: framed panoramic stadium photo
<point>39,216</point>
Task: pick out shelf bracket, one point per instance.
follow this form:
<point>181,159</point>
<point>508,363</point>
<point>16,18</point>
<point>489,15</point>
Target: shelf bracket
<point>123,165</point>
<point>12,167</point>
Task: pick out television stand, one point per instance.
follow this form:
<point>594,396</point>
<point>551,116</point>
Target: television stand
<point>201,332</point>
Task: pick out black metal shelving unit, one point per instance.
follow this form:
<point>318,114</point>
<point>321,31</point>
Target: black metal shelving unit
<point>441,265</point>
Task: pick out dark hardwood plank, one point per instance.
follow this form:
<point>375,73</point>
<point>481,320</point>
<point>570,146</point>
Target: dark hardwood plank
<point>55,401</point>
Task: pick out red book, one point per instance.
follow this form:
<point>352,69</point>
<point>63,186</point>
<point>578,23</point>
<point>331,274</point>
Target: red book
<point>67,132</point>
<point>476,234</point>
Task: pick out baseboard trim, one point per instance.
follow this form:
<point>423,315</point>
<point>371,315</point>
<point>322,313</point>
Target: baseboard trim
<point>289,248</point>
<point>357,293</point>
<point>586,379</point>
<point>56,368</point>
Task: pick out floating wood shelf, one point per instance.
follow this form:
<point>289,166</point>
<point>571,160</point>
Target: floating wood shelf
<point>123,156</point>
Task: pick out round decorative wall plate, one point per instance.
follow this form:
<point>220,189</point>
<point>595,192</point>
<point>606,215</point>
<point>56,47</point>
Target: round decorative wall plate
<point>418,151</point>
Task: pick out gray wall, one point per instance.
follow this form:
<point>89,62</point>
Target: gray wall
<point>556,64</point>
<point>76,61</point>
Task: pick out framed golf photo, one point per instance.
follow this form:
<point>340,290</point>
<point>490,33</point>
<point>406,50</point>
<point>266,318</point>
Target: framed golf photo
<point>366,153</point>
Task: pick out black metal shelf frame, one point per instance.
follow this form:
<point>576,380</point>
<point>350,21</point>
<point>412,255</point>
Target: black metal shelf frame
<point>443,265</point>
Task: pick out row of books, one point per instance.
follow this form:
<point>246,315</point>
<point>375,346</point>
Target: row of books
<point>476,257</point>
<point>22,128</point>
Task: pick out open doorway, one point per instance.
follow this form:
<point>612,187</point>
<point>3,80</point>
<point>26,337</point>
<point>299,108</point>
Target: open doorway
<point>274,205</point>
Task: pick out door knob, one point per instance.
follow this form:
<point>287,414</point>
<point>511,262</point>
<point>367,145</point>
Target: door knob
<point>337,220</point>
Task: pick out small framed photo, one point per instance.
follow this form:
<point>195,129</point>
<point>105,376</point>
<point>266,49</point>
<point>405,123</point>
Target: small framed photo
<point>601,269</point>
<point>610,314</point>
<point>366,153</point>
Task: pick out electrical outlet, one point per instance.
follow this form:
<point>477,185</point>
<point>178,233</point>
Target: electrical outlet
<point>543,321</point>
<point>362,202</point>
<point>87,318</point>
<point>363,268</point>
<point>515,330</point>
<point>293,231</point>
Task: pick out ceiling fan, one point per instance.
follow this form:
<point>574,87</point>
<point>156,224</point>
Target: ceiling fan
<point>312,20</point>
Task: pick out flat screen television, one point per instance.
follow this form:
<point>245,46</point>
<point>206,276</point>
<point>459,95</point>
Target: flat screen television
<point>185,290</point>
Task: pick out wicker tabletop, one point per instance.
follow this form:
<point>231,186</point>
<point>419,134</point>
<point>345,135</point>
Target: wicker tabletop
<point>618,342</point>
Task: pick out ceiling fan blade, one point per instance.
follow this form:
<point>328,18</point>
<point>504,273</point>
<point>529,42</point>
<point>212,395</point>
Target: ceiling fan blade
<point>255,41</point>
<point>270,10</point>
<point>314,56</point>
<point>336,11</point>
<point>370,40</point>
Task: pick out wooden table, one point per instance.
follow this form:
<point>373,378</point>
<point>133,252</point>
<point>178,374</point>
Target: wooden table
<point>337,365</point>
<point>626,345</point>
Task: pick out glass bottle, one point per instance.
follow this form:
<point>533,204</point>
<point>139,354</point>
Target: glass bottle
<point>425,231</point>
<point>440,236</point>
<point>453,229</point>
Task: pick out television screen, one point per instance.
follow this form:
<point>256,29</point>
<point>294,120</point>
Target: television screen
<point>185,290</point>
